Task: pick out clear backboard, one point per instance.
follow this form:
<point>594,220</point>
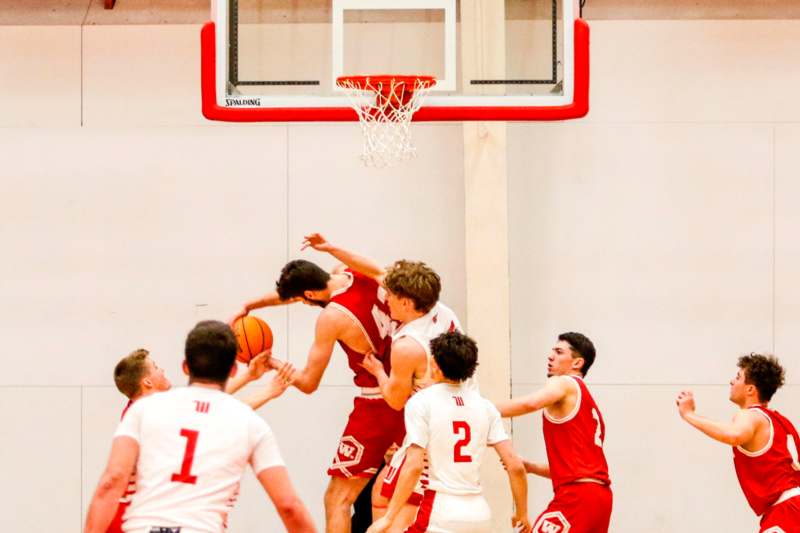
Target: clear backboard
<point>278,60</point>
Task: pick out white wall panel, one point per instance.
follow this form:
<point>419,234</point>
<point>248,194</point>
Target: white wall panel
<point>40,76</point>
<point>121,238</point>
<point>654,240</point>
<point>40,431</point>
<point>694,71</point>
<point>142,75</point>
<point>787,247</point>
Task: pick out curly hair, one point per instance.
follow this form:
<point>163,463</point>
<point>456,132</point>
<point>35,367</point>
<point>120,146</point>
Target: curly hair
<point>763,371</point>
<point>416,281</point>
<point>456,355</point>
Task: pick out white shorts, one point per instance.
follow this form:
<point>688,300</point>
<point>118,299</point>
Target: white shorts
<point>440,512</point>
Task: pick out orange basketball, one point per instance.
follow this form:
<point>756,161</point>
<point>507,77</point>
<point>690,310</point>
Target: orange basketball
<point>253,336</point>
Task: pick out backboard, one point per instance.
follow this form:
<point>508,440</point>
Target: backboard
<point>278,60</point>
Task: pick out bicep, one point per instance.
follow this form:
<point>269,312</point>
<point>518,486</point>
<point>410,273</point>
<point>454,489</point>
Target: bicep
<point>124,453</point>
<point>744,426</point>
<point>276,483</point>
<point>404,362</point>
<point>552,392</point>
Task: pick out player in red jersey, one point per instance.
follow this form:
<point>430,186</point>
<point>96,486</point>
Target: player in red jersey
<point>412,290</point>
<point>765,443</point>
<point>355,314</point>
<point>574,432</point>
<point>136,376</point>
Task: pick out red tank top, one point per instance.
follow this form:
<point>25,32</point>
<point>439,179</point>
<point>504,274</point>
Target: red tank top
<point>364,301</point>
<point>575,443</point>
<point>765,474</point>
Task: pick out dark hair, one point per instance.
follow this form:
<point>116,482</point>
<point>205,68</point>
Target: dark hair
<point>299,276</point>
<point>416,281</point>
<point>763,371</point>
<point>456,355</point>
<point>129,372</point>
<point>210,351</point>
<point>582,346</point>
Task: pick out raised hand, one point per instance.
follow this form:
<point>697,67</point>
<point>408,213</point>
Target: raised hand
<point>280,381</point>
<point>259,364</point>
<point>317,242</point>
<point>685,403</point>
<point>239,314</point>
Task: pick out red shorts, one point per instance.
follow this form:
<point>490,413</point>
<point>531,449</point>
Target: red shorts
<point>116,524</point>
<point>393,474</point>
<point>373,428</point>
<point>577,508</point>
<point>782,518</point>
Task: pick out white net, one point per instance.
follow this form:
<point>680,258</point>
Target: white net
<point>385,105</point>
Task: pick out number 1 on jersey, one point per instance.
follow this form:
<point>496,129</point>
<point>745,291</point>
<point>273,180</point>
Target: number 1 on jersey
<point>185,476</point>
<point>458,456</point>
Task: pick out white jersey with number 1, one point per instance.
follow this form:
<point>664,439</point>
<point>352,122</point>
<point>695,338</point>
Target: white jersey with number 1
<point>194,445</point>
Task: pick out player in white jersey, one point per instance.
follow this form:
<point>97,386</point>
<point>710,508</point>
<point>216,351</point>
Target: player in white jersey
<point>412,290</point>
<point>190,447</point>
<point>453,424</point>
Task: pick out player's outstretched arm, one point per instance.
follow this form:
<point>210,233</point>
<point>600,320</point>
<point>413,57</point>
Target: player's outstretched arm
<point>359,263</point>
<point>735,433</point>
<point>277,386</point>
<point>406,480</point>
<point>538,469</point>
<point>124,451</point>
<point>329,324</point>
<point>268,300</point>
<point>554,390</point>
<point>396,388</point>
<point>518,482</point>
<point>293,513</point>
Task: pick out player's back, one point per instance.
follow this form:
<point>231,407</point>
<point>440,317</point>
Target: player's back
<point>461,424</point>
<point>194,444</point>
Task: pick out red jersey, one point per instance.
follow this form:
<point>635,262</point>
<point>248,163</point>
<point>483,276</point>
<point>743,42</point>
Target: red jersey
<point>364,301</point>
<point>575,443</point>
<point>764,475</point>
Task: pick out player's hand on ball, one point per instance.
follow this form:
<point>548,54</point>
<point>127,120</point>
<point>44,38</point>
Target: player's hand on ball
<point>239,314</point>
<point>259,365</point>
<point>372,364</point>
<point>281,380</point>
<point>685,403</point>
<point>379,526</point>
<point>317,242</point>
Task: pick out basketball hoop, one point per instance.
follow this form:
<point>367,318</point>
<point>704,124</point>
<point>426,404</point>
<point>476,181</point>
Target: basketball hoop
<point>385,105</point>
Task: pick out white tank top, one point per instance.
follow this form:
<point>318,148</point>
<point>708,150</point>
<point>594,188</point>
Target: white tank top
<point>440,319</point>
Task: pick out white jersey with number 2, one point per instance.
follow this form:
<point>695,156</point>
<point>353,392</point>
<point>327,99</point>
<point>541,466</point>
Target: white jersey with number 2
<point>455,424</point>
<point>194,445</point>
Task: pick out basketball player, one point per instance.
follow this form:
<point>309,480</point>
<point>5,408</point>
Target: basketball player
<point>574,432</point>
<point>354,314</point>
<point>452,424</point>
<point>190,447</point>
<point>765,443</point>
<point>412,291</point>
<point>136,376</point>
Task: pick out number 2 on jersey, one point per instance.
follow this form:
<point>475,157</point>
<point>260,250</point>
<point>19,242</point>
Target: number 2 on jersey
<point>793,452</point>
<point>458,456</point>
<point>598,439</point>
<point>185,475</point>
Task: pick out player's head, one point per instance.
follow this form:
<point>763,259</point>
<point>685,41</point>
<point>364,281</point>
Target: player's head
<point>455,356</point>
<point>306,280</point>
<point>758,378</point>
<point>413,288</point>
<point>210,353</point>
<point>572,354</point>
<point>138,375</point>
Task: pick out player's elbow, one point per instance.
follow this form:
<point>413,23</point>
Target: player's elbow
<point>307,388</point>
<point>111,481</point>
<point>294,515</point>
<point>735,438</point>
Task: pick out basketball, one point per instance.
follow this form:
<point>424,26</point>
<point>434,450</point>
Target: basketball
<point>253,336</point>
